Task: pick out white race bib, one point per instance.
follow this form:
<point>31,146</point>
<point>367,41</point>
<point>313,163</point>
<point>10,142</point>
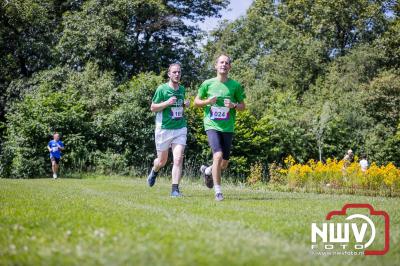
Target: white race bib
<point>219,113</point>
<point>176,112</point>
<point>54,149</point>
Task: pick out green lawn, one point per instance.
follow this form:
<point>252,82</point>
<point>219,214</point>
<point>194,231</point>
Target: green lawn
<point>121,221</point>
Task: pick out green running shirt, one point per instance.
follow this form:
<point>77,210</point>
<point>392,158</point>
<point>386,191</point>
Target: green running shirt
<point>171,117</point>
<point>218,116</point>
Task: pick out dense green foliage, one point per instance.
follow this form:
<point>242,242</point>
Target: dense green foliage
<point>320,78</point>
<point>124,36</point>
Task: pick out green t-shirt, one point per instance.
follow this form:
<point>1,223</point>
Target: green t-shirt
<point>218,116</point>
<point>171,117</point>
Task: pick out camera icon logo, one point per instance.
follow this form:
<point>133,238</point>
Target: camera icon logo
<point>353,236</point>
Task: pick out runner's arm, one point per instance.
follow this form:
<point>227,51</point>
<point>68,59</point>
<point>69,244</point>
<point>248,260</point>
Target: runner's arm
<point>200,103</point>
<point>240,106</point>
<point>158,107</point>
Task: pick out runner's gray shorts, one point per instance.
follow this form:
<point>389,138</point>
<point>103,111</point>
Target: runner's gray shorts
<point>164,138</point>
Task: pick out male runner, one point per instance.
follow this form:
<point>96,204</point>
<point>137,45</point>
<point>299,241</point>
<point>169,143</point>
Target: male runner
<point>171,131</point>
<point>55,147</point>
<point>221,97</point>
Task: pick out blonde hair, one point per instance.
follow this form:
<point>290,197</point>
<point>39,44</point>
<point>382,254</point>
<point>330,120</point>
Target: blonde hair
<point>223,54</point>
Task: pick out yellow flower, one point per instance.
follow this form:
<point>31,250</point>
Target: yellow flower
<point>333,173</point>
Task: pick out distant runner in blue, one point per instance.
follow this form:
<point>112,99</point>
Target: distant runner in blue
<point>55,147</point>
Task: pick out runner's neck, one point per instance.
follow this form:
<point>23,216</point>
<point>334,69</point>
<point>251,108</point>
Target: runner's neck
<point>173,85</point>
<point>222,78</point>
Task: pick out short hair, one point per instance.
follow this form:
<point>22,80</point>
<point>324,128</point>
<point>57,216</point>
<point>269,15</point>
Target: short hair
<point>223,54</point>
<point>173,64</point>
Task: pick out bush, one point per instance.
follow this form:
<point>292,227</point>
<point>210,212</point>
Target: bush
<point>30,126</point>
<point>256,173</point>
<point>101,124</point>
<point>277,174</point>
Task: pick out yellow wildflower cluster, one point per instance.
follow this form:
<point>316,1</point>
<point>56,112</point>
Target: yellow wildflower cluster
<point>334,174</point>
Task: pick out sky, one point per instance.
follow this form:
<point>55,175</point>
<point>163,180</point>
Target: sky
<point>235,9</point>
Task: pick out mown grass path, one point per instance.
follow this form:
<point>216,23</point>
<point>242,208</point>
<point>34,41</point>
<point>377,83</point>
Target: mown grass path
<point>120,221</point>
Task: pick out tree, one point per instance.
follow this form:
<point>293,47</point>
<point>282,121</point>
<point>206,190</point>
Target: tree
<point>286,130</point>
<point>383,99</point>
<point>335,104</point>
<point>97,119</point>
<point>382,103</point>
<point>341,24</point>
<point>29,30</point>
<point>390,43</point>
<point>319,126</point>
<point>133,36</point>
<point>121,36</point>
<point>268,54</point>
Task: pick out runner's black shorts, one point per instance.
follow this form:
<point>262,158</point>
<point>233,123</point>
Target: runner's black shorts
<point>220,141</point>
<point>57,160</point>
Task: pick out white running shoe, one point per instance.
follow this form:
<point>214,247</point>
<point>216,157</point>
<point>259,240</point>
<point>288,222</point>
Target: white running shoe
<point>219,197</point>
<point>55,176</point>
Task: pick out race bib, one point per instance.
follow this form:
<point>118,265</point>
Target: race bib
<point>54,149</point>
<point>219,113</point>
<point>176,112</point>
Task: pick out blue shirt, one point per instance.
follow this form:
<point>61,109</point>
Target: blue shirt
<point>55,150</point>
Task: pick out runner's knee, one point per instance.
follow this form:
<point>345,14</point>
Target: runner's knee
<point>217,156</point>
<point>160,162</point>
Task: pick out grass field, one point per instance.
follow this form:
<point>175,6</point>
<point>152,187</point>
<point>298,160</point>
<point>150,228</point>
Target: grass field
<point>120,221</point>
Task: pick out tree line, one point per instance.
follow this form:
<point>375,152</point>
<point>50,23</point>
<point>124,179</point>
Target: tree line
<point>320,77</point>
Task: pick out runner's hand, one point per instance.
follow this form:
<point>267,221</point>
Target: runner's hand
<point>171,100</point>
<point>228,103</point>
<point>187,103</point>
<point>212,100</point>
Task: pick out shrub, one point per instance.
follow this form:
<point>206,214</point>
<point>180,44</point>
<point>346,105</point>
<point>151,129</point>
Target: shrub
<point>256,173</point>
<point>93,115</point>
<point>277,174</point>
